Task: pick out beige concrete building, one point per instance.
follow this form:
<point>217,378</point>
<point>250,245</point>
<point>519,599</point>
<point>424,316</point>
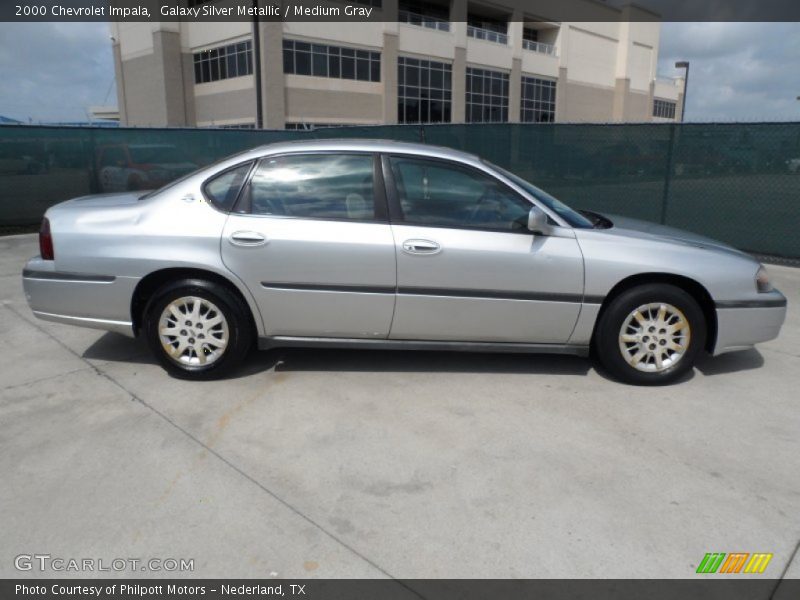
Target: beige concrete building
<point>425,61</point>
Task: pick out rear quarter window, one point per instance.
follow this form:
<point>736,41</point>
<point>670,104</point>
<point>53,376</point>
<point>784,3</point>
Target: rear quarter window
<point>222,190</point>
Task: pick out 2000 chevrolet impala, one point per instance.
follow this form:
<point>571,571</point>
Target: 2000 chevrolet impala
<point>387,245</point>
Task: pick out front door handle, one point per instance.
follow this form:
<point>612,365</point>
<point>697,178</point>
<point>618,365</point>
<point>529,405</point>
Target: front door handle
<point>247,238</point>
<point>421,247</point>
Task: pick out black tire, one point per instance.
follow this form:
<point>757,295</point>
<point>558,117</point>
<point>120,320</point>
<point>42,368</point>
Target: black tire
<point>606,341</point>
<point>236,313</point>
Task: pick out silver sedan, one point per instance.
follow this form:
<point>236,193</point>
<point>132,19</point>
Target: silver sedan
<point>381,244</point>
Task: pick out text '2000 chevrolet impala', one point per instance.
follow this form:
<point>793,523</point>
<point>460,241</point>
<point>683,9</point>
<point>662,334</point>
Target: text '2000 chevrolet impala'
<point>389,245</point>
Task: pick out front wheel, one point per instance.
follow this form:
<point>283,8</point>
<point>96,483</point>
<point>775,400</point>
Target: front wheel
<point>197,329</point>
<point>650,334</point>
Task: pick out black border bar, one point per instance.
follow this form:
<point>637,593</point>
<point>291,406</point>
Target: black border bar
<point>350,10</point>
<point>705,587</point>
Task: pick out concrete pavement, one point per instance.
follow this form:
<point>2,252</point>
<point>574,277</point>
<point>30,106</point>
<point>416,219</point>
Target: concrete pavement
<point>330,463</point>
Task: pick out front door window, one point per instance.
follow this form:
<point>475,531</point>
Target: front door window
<point>441,194</point>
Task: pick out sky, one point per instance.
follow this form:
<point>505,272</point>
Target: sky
<point>55,71</point>
<point>739,71</point>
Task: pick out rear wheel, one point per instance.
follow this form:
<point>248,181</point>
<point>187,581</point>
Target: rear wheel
<point>650,334</point>
<point>197,329</point>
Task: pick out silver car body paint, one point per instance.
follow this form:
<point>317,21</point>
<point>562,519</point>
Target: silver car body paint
<point>307,281</point>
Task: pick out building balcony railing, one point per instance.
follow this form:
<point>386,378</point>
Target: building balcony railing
<point>673,81</point>
<point>487,34</point>
<point>412,18</point>
<point>539,47</point>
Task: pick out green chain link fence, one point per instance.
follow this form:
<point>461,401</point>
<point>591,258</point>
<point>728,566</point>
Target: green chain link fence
<point>739,183</point>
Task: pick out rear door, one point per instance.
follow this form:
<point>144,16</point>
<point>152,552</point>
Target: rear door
<point>310,239</point>
<point>467,267</point>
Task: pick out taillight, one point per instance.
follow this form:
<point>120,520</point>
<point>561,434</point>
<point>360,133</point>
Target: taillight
<point>46,241</point>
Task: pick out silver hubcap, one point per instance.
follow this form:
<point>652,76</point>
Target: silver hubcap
<point>654,337</point>
<point>193,331</point>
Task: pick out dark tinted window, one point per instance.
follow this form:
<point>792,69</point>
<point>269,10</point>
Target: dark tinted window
<point>664,109</point>
<point>225,62</point>
<point>423,91</point>
<point>487,96</point>
<point>223,189</point>
<point>449,195</point>
<point>321,60</point>
<point>538,103</point>
<point>318,186</point>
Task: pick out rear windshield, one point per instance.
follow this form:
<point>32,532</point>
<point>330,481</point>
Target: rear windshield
<point>209,167</point>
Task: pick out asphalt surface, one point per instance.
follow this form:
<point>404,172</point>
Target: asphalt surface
<point>329,463</point>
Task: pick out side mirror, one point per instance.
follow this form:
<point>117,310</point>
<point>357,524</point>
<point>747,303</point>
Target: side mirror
<point>537,221</point>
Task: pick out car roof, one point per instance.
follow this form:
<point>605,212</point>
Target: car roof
<point>364,145</point>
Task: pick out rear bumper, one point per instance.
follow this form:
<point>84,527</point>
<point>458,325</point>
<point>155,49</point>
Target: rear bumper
<point>82,299</point>
<point>740,325</point>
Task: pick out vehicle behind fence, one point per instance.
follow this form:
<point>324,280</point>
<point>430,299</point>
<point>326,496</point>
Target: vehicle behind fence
<point>739,183</point>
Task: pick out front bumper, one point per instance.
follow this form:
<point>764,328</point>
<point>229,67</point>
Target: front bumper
<point>740,325</point>
<point>83,299</point>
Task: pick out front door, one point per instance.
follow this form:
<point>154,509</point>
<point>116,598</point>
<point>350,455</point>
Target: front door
<point>467,267</point>
<point>310,240</point>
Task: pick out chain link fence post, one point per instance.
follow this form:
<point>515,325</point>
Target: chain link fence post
<point>669,174</point>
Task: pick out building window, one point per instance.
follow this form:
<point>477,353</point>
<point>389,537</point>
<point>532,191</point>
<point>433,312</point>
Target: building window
<point>237,126</point>
<point>224,62</point>
<point>530,41</point>
<point>538,100</point>
<point>300,126</point>
<point>531,35</point>
<point>487,28</point>
<point>424,14</point>
<point>487,96</point>
<point>664,109</point>
<point>321,60</point>
<point>423,91</point>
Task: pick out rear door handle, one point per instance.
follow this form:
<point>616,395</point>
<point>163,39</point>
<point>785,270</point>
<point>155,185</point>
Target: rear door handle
<point>421,247</point>
<point>247,238</point>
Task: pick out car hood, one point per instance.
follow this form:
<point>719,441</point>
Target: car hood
<point>629,227</point>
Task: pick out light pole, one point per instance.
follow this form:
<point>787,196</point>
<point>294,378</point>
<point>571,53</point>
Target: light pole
<point>257,66</point>
<point>684,64</point>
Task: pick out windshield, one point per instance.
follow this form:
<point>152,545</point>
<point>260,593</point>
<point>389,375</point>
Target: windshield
<point>562,210</point>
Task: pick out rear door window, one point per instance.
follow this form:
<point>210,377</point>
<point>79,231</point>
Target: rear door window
<point>314,186</point>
